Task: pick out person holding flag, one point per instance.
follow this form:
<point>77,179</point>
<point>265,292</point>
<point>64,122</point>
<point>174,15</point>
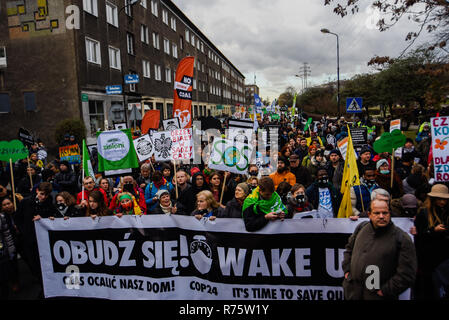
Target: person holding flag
<point>350,179</point>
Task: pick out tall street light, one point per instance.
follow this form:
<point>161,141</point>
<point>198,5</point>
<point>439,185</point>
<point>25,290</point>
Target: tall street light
<point>338,69</point>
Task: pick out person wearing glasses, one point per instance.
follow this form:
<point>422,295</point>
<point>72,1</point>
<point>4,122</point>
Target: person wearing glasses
<point>379,259</point>
<point>89,186</point>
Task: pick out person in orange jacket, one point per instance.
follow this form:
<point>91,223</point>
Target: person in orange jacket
<point>283,173</point>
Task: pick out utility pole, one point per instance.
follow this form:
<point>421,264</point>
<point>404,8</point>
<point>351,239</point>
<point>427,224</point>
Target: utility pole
<point>305,72</point>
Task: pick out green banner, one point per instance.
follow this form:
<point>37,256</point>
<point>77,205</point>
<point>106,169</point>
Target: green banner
<point>309,121</point>
<point>116,150</point>
<point>14,150</point>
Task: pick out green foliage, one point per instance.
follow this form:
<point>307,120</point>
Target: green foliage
<point>74,127</point>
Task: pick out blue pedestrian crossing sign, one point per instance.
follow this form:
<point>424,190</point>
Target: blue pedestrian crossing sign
<point>354,105</point>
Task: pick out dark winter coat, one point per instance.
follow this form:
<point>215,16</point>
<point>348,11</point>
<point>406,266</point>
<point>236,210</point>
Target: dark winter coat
<point>313,194</point>
<point>67,181</point>
<point>233,209</point>
<point>389,248</point>
<point>185,203</point>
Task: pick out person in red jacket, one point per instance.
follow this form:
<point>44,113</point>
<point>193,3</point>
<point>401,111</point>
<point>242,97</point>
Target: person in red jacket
<point>89,186</point>
<point>128,184</point>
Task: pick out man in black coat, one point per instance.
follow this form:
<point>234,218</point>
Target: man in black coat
<point>29,210</point>
<point>301,173</point>
<point>323,196</point>
<point>66,178</point>
<point>185,202</point>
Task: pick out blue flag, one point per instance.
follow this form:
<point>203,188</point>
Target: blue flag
<point>257,101</point>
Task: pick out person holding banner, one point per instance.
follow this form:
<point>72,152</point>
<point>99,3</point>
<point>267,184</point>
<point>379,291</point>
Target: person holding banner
<point>184,200</point>
<point>128,184</point>
<point>297,200</point>
<point>32,178</point>
<point>206,206</point>
<point>262,205</point>
<point>233,207</point>
<point>89,186</point>
<point>158,183</point>
<point>165,204</point>
<point>323,195</point>
<point>96,205</point>
<point>127,205</point>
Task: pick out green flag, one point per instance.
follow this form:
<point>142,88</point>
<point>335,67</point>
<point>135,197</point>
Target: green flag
<point>87,164</point>
<point>116,150</point>
<point>306,127</point>
<point>294,106</point>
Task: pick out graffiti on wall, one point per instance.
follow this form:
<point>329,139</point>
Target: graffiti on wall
<point>33,18</point>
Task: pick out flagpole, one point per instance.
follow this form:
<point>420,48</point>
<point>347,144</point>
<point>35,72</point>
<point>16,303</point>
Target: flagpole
<point>29,173</point>
<point>176,180</point>
<point>82,183</point>
<point>392,168</point>
<point>12,184</point>
<point>222,189</point>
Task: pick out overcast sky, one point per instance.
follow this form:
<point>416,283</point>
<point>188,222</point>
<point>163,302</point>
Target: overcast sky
<point>273,38</point>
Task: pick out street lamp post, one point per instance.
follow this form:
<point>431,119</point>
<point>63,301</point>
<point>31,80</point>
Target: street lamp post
<point>338,69</point>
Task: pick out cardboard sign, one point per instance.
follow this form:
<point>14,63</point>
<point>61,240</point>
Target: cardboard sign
<point>395,124</point>
<point>171,124</point>
<point>440,147</point>
<point>359,138</point>
<point>70,154</point>
<point>144,147</point>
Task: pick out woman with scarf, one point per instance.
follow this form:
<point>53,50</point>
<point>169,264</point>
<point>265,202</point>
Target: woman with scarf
<point>297,201</point>
<point>65,205</point>
<point>127,205</point>
<point>234,207</point>
<point>206,206</point>
<point>165,205</point>
<point>383,179</point>
<point>262,205</point>
<point>431,239</point>
<point>158,182</point>
<point>316,161</point>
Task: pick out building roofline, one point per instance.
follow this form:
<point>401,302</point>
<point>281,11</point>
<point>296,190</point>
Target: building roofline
<point>195,29</point>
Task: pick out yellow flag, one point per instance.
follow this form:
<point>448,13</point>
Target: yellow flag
<point>350,179</point>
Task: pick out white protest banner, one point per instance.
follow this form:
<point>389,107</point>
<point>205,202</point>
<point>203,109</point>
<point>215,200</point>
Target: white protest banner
<point>171,124</point>
<point>162,145</point>
<point>182,144</point>
<point>163,257</point>
<point>239,134</point>
<point>343,147</point>
<point>144,147</point>
<point>395,124</point>
<point>232,156</point>
<point>440,147</point>
<point>331,140</point>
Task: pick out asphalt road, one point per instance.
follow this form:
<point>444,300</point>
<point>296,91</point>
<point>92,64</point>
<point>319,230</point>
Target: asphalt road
<point>29,286</point>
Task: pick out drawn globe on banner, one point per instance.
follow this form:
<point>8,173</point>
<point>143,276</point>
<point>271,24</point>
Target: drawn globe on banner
<point>231,156</point>
<point>201,254</point>
<point>115,147</point>
<point>144,147</point>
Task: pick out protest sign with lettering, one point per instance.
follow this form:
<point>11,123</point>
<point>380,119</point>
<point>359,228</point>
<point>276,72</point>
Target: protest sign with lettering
<point>70,154</point>
<point>232,156</point>
<point>440,147</point>
<point>178,257</point>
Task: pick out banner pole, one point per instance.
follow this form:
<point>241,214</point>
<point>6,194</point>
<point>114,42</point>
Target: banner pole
<point>29,174</point>
<point>361,198</point>
<point>12,184</point>
<point>176,184</point>
<point>82,185</point>
<point>392,169</point>
<point>222,189</point>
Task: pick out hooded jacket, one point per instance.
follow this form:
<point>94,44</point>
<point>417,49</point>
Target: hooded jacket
<point>67,181</point>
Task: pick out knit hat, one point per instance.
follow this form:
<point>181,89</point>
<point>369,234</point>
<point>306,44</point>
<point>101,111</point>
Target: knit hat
<point>439,191</point>
<point>194,170</point>
<point>380,163</point>
<point>285,161</point>
<point>409,201</point>
<point>336,151</point>
<point>365,149</point>
<point>160,193</point>
<point>244,187</point>
<point>66,163</point>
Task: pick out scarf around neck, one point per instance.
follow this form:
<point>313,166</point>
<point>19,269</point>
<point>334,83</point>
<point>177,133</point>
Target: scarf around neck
<point>274,204</point>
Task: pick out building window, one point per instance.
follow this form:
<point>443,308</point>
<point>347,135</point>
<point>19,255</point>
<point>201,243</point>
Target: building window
<point>146,68</point>
<point>166,46</point>
<point>187,36</point>
<point>174,49</point>
<point>156,41</point>
<point>93,51</point>
<point>198,44</point>
<point>5,103</point>
<point>193,40</point>
<point>114,58</point>
<point>165,17</point>
<point>128,8</point>
<point>30,101</point>
<point>91,6</point>
<point>111,14</point>
<point>144,37</point>
<point>173,23</point>
<point>194,84</point>
<point>154,7</point>
<point>167,74</point>
<point>130,42</point>
<point>181,43</point>
<point>157,72</point>
<point>202,47</point>
<point>96,116</point>
<point>143,3</point>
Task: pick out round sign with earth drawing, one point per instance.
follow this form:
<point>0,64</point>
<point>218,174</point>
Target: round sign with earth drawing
<point>113,145</point>
<point>231,156</point>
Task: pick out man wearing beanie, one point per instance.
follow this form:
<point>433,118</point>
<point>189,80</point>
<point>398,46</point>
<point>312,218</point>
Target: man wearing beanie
<point>66,178</point>
<point>364,161</point>
<point>335,168</point>
<point>283,173</point>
